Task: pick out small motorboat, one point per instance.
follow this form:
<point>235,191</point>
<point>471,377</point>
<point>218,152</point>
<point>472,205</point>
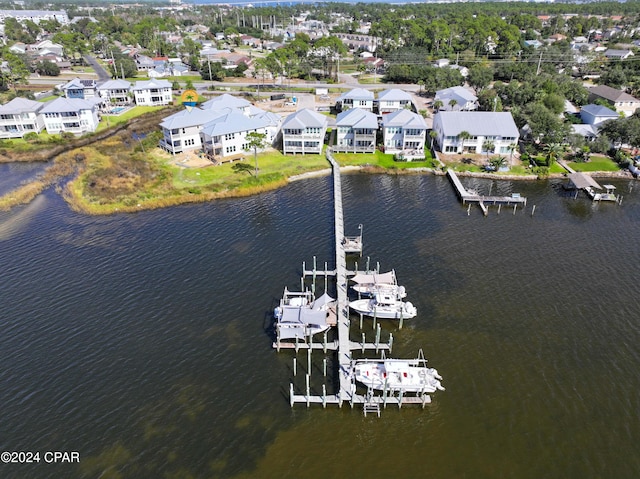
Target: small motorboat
<point>407,375</point>
<point>384,305</point>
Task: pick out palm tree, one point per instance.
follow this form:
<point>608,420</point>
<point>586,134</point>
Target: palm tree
<point>553,151</point>
<point>488,146</point>
<point>452,103</point>
<point>462,136</point>
<point>437,105</point>
<point>433,135</point>
<point>512,147</point>
<point>497,161</point>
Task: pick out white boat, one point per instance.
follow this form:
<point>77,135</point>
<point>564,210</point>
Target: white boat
<point>300,316</point>
<point>370,284</point>
<point>406,375</point>
<point>384,306</point>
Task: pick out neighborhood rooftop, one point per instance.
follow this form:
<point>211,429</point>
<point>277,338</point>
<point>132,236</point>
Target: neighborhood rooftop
<point>479,123</point>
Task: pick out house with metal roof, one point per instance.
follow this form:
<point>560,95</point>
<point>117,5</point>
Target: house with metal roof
<point>82,89</point>
<point>619,99</point>
<point>20,116</point>
<point>356,131</point>
<point>153,92</point>
<point>71,115</point>
<point>356,98</point>
<point>227,101</point>
<point>456,98</point>
<point>225,137</point>
<point>596,114</point>
<point>473,131</point>
<point>181,131</point>
<point>404,132</point>
<point>393,100</point>
<point>303,132</point>
<point>115,92</point>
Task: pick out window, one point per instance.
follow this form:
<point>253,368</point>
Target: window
<point>230,149</point>
<point>189,142</point>
<point>229,136</point>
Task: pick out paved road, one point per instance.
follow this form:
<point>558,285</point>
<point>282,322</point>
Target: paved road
<point>103,75</point>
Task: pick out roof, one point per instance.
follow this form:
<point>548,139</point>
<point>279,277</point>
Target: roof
<point>608,93</point>
<point>75,83</point>
<point>405,119</point>
<point>187,118</point>
<point>458,93</point>
<point>20,105</point>
<point>599,110</point>
<point>225,101</point>
<point>357,118</point>
<point>63,104</point>
<point>477,123</point>
<point>305,118</point>
<point>587,131</point>
<point>232,122</point>
<point>148,84</point>
<point>115,85</point>
<point>581,180</point>
<point>357,94</point>
<point>394,94</point>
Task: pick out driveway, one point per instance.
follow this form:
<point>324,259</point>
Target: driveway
<point>103,75</point>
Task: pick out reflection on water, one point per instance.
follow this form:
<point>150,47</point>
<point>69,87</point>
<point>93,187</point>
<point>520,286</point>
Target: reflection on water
<point>142,341</point>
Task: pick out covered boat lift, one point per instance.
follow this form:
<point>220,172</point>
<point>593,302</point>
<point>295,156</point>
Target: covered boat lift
<point>582,181</point>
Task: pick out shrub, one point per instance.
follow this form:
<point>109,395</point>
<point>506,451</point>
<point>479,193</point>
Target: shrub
<point>30,137</point>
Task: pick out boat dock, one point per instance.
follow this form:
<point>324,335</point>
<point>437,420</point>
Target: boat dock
<point>470,197</point>
<point>582,181</point>
<point>343,346</point>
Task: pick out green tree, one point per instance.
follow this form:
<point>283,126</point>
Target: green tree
<point>16,72</point>
<point>553,152</point>
<point>488,146</point>
<point>47,68</point>
<point>480,76</point>
<point>255,141</point>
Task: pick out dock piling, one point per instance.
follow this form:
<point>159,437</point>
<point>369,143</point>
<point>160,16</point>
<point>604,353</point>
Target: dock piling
<point>377,338</point>
<point>295,367</point>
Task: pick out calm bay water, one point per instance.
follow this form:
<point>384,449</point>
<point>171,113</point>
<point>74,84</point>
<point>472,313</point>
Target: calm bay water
<point>142,341</point>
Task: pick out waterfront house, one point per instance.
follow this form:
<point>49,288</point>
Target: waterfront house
<point>481,129</point>
<point>619,99</point>
<point>393,100</point>
<point>356,131</point>
<point>404,132</point>
<point>153,92</point>
<point>115,92</point>
<point>79,89</point>
<point>225,136</point>
<point>181,131</point>
<point>71,115</point>
<point>356,98</point>
<point>456,98</point>
<point>303,132</point>
<point>596,114</point>
<point>20,116</point>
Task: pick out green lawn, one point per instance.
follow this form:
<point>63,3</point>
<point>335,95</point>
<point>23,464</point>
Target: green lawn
<point>596,163</point>
<point>381,159</point>
<point>112,120</point>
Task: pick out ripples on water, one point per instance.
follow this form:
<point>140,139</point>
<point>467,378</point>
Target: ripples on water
<point>142,341</point>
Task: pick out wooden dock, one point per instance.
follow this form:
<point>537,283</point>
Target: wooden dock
<point>343,345</point>
<point>482,201</point>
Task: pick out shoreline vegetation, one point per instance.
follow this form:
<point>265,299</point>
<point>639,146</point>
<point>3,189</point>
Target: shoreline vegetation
<point>110,172</point>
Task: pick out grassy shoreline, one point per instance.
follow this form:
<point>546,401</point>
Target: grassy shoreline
<point>114,174</point>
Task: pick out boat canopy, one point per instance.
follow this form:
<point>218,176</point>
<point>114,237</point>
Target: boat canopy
<point>322,301</point>
<point>376,278</point>
<point>303,316</point>
<point>396,366</point>
<point>291,332</point>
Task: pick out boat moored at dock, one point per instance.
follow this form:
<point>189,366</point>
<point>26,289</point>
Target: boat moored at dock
<point>406,375</point>
<point>370,284</point>
<point>384,305</point>
<point>300,316</point>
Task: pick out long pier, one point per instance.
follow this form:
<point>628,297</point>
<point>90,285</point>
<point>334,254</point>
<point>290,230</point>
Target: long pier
<point>482,201</point>
<point>343,345</point>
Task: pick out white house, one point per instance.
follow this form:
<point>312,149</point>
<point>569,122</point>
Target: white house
<point>482,129</point>
<point>303,132</point>
<point>181,131</point>
<point>356,98</point>
<point>226,100</point>
<point>356,131</point>
<point>619,99</point>
<point>405,132</point>
<point>392,100</point>
<point>77,88</point>
<point>225,136</point>
<point>72,115</point>
<point>152,92</point>
<point>20,116</point>
<point>115,92</point>
<point>456,98</point>
<point>597,114</point>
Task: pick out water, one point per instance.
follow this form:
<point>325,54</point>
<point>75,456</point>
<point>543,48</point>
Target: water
<point>142,341</point>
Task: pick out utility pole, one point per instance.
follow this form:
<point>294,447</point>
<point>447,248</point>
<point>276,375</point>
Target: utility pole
<point>539,63</point>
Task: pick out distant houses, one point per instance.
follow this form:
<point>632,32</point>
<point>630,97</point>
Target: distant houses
<point>393,100</point>
<point>153,92</point>
<point>456,98</point>
<point>619,99</point>
<point>356,98</point>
